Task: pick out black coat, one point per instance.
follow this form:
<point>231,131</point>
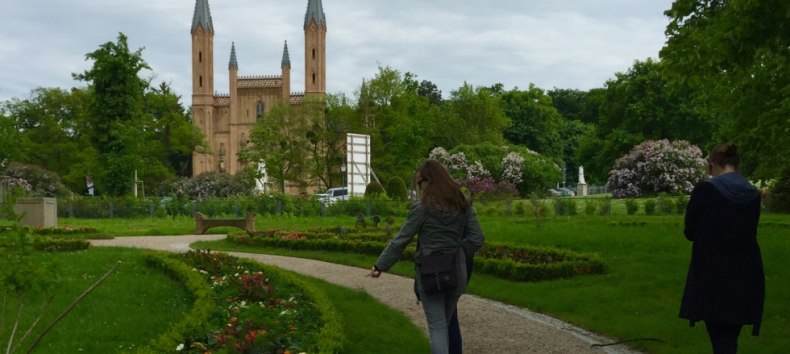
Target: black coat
<point>725,281</point>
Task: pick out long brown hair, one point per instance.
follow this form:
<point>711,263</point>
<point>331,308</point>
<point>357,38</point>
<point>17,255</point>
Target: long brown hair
<point>439,192</point>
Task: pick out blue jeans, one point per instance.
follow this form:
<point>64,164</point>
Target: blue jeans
<point>439,309</point>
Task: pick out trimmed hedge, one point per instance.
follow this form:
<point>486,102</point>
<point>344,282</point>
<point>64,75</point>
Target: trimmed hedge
<point>502,260</point>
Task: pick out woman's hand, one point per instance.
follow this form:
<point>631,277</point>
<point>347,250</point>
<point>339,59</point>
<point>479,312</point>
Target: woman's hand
<point>374,273</point>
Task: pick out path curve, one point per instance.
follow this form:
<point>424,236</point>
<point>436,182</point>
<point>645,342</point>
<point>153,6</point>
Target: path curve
<point>487,326</point>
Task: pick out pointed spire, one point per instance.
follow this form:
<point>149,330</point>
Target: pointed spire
<point>233,63</point>
<point>315,12</point>
<point>286,58</point>
<point>202,16</point>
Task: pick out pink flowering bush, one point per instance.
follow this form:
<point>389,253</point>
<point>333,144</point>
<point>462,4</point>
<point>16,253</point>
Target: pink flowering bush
<point>657,166</point>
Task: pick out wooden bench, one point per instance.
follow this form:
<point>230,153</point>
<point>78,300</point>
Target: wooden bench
<point>202,223</point>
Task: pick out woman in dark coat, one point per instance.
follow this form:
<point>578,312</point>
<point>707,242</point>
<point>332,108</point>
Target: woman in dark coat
<point>725,286</point>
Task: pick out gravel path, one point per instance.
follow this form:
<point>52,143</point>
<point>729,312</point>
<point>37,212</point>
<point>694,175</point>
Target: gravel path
<point>487,326</point>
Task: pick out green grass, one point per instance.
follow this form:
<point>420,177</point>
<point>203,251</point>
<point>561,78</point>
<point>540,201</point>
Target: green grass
<point>370,326</point>
<point>640,294</point>
<point>133,305</point>
<point>137,303</point>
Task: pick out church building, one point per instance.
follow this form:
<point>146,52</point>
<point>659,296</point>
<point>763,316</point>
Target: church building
<point>226,119</point>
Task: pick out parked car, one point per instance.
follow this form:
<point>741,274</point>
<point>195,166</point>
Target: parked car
<point>333,195</point>
<point>561,192</point>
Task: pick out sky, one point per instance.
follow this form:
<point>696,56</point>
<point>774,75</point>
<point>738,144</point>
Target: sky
<point>575,44</point>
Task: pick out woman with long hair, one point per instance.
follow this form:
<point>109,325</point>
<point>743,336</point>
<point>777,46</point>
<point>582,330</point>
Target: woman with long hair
<point>725,285</point>
<point>445,222</point>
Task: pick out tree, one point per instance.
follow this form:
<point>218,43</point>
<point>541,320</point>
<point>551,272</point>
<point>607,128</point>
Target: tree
<point>472,115</point>
<point>430,91</point>
<point>173,131</point>
<point>736,55</point>
<point>280,140</point>
<point>52,132</point>
<point>535,123</point>
<point>639,105</point>
<point>118,130</point>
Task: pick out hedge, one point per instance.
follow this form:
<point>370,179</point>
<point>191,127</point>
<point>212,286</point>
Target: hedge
<point>502,260</point>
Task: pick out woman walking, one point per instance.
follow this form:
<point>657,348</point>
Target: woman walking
<point>448,230</point>
<point>725,286</point>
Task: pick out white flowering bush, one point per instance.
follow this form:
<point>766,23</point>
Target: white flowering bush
<point>512,167</point>
<point>657,166</point>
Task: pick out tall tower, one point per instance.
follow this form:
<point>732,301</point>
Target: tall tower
<point>315,48</point>
<point>285,66</point>
<point>202,81</point>
<point>233,108</point>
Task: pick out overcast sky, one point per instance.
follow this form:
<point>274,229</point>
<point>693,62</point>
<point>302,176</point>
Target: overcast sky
<point>552,43</point>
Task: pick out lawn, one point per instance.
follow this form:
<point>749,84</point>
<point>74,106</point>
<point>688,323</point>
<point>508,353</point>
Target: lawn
<point>638,297</point>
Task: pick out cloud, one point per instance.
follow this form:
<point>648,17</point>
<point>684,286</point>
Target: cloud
<point>562,43</point>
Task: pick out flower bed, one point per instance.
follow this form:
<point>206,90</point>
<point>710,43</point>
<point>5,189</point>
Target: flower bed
<point>251,309</point>
<point>501,260</point>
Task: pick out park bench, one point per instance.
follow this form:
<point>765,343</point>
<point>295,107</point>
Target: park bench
<point>202,223</point>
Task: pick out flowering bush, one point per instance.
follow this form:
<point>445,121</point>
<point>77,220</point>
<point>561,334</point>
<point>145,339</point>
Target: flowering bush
<point>36,181</point>
<point>256,313</point>
<point>484,188</point>
<point>657,166</point>
<point>212,184</point>
<point>526,171</point>
<point>512,164</point>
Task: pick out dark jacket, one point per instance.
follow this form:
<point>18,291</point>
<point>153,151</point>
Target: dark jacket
<point>725,281</point>
<point>436,232</point>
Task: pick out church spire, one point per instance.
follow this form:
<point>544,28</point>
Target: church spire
<point>315,12</point>
<point>233,63</point>
<point>286,63</point>
<point>202,16</point>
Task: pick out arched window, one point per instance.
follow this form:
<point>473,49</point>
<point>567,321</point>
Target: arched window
<point>313,53</point>
<point>313,77</point>
<point>200,57</point>
<point>259,110</point>
<point>201,81</point>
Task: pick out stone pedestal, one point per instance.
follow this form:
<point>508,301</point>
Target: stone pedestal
<point>37,212</point>
<point>581,189</point>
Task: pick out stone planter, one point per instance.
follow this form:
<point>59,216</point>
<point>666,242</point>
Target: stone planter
<point>37,212</point>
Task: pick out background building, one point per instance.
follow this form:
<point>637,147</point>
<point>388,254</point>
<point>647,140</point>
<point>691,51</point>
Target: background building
<point>226,119</point>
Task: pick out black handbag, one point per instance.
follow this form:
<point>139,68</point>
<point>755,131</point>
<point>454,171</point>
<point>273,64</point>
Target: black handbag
<point>437,271</point>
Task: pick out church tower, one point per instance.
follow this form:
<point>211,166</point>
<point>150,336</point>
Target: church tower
<point>285,66</point>
<point>315,48</point>
<point>202,80</point>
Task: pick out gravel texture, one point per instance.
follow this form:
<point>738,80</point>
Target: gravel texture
<point>487,326</point>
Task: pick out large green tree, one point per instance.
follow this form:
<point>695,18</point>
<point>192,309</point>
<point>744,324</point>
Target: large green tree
<point>51,132</point>
<point>535,123</point>
<point>117,123</point>
<point>736,55</point>
<point>639,105</point>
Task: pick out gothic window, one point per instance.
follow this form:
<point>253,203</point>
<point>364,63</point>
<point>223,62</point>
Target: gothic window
<point>201,81</point>
<point>259,110</point>
<point>313,77</point>
<point>200,57</point>
<point>313,53</point>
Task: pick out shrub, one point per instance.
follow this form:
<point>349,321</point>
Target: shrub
<point>680,204</point>
<point>212,184</point>
<point>565,206</point>
<point>589,207</point>
<point>657,166</point>
<point>631,206</point>
<point>42,183</point>
<point>650,207</point>
<point>520,209</point>
<point>396,189</point>
<point>779,200</point>
<point>606,206</point>
<point>665,205</point>
<point>374,189</point>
